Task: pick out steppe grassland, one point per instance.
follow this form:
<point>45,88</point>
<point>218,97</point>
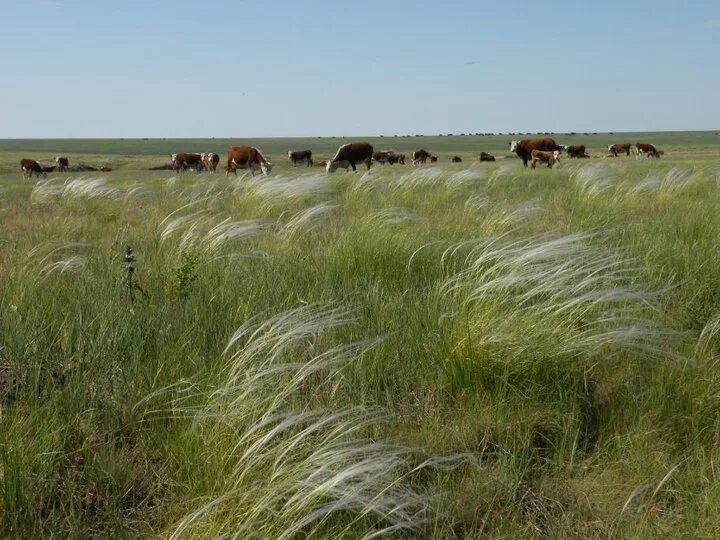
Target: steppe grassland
<point>452,351</point>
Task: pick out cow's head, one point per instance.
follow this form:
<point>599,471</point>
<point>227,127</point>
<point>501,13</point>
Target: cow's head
<point>331,166</point>
<point>173,157</point>
<point>556,154</point>
<point>290,153</point>
<point>266,168</point>
<point>564,147</point>
<point>514,145</point>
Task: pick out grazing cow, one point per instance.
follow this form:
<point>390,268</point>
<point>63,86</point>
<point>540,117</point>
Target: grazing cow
<point>576,151</point>
<point>382,156</point>
<point>433,159</point>
<point>616,149</point>
<point>210,161</point>
<point>647,150</point>
<point>300,156</point>
<point>105,168</point>
<point>545,157</point>
<point>397,158</point>
<point>484,156</point>
<point>456,159</point>
<point>61,163</point>
<point>247,157</point>
<point>186,161</point>
<point>30,166</point>
<point>419,157</point>
<point>525,147</point>
<point>348,155</point>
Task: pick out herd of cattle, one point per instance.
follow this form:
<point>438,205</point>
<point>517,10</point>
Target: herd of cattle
<point>353,154</point>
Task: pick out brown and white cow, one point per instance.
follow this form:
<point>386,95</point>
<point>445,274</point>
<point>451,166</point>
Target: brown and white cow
<point>30,166</point>
<point>419,157</point>
<point>183,161</point>
<point>301,156</point>
<point>647,150</point>
<point>382,156</point>
<point>61,163</point>
<point>576,151</point>
<point>397,158</point>
<point>247,157</point>
<point>525,147</point>
<point>545,157</point>
<point>210,161</point>
<point>456,159</point>
<point>616,149</point>
<point>350,155</point>
<point>484,156</point>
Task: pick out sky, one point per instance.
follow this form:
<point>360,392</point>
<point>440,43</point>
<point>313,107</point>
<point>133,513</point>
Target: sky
<point>101,68</point>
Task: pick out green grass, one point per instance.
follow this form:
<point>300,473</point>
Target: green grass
<point>451,352</point>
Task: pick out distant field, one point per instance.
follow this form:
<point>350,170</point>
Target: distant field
<point>459,351</point>
<point>118,151</point>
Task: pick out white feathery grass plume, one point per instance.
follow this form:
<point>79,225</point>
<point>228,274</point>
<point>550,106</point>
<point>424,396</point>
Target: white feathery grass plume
<point>391,216</point>
<point>578,296</point>
<point>278,189</point>
<point>298,470</point>
<point>304,220</point>
<point>47,191</point>
<point>90,188</point>
<point>51,258</point>
<point>503,169</point>
<point>593,180</point>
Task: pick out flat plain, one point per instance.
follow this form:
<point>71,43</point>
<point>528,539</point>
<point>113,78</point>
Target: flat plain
<point>453,351</point>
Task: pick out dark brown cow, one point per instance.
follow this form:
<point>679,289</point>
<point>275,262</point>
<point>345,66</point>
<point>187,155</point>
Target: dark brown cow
<point>576,151</point>
<point>349,155</point>
<point>61,163</point>
<point>247,157</point>
<point>647,150</point>
<point>456,159</point>
<point>616,149</point>
<point>30,166</point>
<point>545,157</point>
<point>433,159</point>
<point>184,161</point>
<point>382,156</point>
<point>419,157</point>
<point>484,156</point>
<point>301,156</point>
<point>397,158</point>
<point>525,147</point>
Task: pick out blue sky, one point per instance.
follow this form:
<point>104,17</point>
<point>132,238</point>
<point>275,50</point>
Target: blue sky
<point>100,68</point>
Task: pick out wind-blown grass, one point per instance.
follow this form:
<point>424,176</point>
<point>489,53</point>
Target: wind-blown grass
<point>529,353</point>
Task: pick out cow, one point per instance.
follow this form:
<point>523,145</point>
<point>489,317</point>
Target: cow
<point>300,156</point>
<point>647,150</point>
<point>105,168</point>
<point>576,151</point>
<point>525,147</point>
<point>210,161</point>
<point>349,155</point>
<point>616,149</point>
<point>545,157</point>
<point>382,156</point>
<point>184,161</point>
<point>61,163</point>
<point>456,159</point>
<point>484,156</point>
<point>30,166</point>
<point>397,158</point>
<point>433,159</point>
<point>419,157</point>
<point>247,157</point>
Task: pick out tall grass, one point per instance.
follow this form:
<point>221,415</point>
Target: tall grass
<point>438,352</point>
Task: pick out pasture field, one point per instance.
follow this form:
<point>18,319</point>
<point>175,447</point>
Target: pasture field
<point>459,351</point>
